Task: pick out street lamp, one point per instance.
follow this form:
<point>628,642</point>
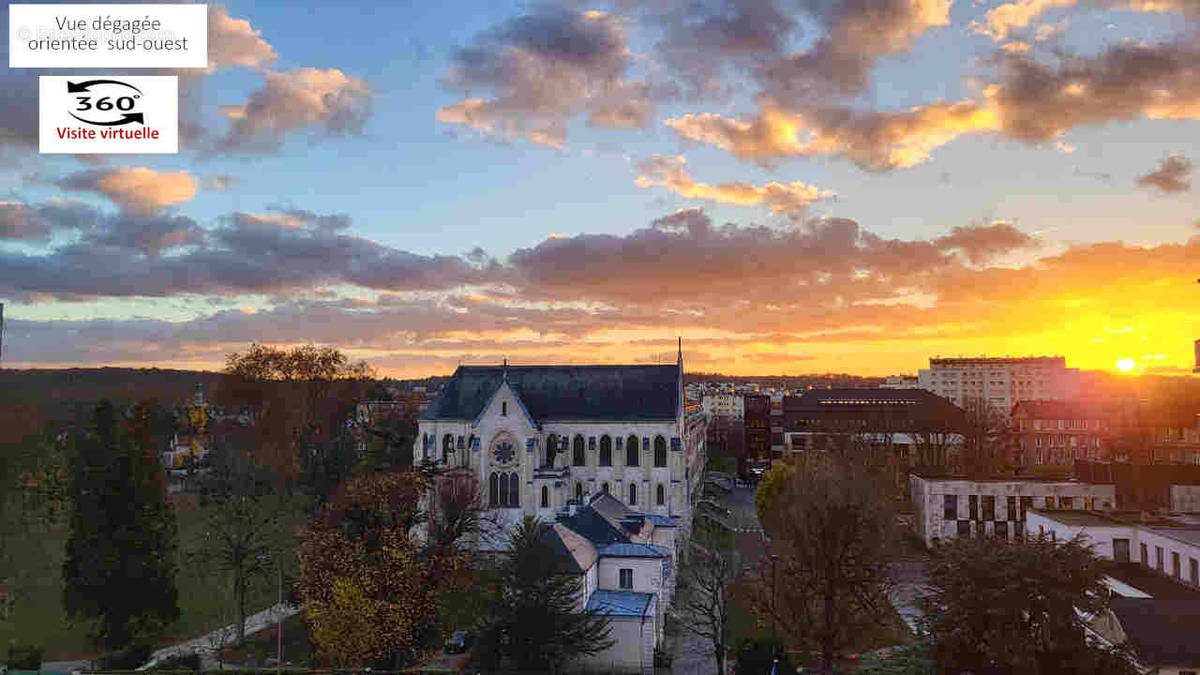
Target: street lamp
<point>774,608</point>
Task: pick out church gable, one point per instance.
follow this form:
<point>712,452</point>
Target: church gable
<point>505,407</point>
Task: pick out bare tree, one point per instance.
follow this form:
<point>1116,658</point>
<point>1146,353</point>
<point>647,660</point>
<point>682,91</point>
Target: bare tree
<point>831,527</point>
<point>701,603</point>
<point>986,437</point>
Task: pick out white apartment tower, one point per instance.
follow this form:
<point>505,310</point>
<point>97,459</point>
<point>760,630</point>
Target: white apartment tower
<point>1001,381</point>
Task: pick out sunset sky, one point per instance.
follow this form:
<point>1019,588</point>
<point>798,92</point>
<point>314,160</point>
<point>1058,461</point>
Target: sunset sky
<point>792,186</point>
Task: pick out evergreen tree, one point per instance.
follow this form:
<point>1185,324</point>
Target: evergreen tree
<point>997,606</point>
<point>538,622</point>
<point>119,570</point>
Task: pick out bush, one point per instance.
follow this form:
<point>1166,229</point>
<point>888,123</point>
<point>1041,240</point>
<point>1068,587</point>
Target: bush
<point>24,657</point>
<point>757,657</point>
<point>129,658</point>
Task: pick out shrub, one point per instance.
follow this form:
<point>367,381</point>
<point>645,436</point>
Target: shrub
<point>129,658</point>
<point>24,657</point>
<point>186,661</point>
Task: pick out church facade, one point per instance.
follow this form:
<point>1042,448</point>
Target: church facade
<point>543,438</point>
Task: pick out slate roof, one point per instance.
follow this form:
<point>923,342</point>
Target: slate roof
<point>620,603</point>
<point>1162,630</point>
<point>622,550</point>
<point>636,392</point>
<point>594,527</point>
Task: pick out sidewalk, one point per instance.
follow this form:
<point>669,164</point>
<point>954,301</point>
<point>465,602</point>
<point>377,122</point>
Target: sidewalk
<point>207,646</point>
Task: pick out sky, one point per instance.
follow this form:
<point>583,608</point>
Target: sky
<point>790,186</point>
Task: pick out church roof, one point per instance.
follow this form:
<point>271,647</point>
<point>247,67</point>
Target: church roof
<point>634,392</point>
<point>620,603</point>
<point>594,527</point>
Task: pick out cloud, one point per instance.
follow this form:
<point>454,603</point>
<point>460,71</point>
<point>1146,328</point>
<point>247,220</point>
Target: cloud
<point>859,33</point>
<point>138,190</point>
<point>234,43</point>
<point>159,255</point>
<point>874,140</point>
<point>542,69</point>
<point>218,182</point>
<point>1002,21</point>
<point>789,199</point>
<point>1172,175</point>
<point>1037,102</point>
<point>328,100</point>
<point>982,243</point>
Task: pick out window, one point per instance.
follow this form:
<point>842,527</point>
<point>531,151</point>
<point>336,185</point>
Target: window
<point>1001,529</point>
<point>604,488</point>
<point>950,507</point>
<point>1145,556</point>
<point>631,451</point>
<point>447,447</point>
<point>1175,569</point>
<point>579,492</point>
<point>606,450</point>
<point>1050,502</point>
<point>1026,504</point>
<point>504,408</point>
<point>989,507</point>
<point>493,491</point>
<point>1194,571</point>
<point>1121,550</point>
<point>1066,502</point>
<point>964,528</point>
<point>660,451</point>
<point>503,500</point>
<point>660,498</point>
<point>973,506</point>
<point>551,446</point>
<point>1158,558</point>
<point>626,579</point>
<point>577,456</point>
<point>633,494</point>
<point>514,490</point>
<point>1010,507</point>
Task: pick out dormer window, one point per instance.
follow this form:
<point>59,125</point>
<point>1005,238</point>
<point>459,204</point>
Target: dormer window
<point>504,408</point>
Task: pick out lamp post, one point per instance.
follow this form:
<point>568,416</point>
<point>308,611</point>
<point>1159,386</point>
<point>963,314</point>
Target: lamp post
<point>774,588</point>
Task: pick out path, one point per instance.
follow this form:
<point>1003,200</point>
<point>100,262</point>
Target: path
<point>208,645</point>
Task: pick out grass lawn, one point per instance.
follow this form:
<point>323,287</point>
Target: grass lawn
<point>38,617</point>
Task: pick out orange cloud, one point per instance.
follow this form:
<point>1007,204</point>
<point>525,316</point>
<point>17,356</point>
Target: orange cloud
<point>138,189</point>
<point>875,141</point>
<point>288,100</point>
<point>781,198</point>
<point>234,43</point>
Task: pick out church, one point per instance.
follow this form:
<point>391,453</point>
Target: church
<point>545,437</point>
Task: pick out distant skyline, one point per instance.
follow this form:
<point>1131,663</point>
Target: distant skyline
<point>790,185</point>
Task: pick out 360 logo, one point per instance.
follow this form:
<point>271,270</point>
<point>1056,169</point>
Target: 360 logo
<point>105,103</point>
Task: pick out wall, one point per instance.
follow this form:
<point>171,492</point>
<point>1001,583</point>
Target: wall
<point>928,494</point>
<point>1100,537</point>
<point>1185,498</point>
<point>633,651</point>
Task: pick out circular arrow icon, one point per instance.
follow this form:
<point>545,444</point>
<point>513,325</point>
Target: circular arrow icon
<point>121,105</point>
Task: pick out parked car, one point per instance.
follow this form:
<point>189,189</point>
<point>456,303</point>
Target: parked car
<point>459,641</point>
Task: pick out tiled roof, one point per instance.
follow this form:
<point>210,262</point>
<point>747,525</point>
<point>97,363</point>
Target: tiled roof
<point>649,392</point>
<point>620,603</point>
<point>632,551</point>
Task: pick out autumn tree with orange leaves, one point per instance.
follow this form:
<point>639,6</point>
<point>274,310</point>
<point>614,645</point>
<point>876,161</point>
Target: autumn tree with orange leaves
<point>373,562</point>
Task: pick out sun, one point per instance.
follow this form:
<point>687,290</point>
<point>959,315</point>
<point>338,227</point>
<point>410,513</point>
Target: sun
<point>1125,365</point>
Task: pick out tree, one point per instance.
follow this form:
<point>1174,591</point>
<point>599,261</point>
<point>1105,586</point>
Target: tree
<point>831,528</point>
<point>986,439</point>
<point>537,620</point>
<point>119,570</point>
<point>702,595</point>
<point>997,606</point>
<point>369,578</point>
<point>303,401</point>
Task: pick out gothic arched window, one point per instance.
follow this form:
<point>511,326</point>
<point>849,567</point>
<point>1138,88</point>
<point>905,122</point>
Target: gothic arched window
<point>660,495</point>
<point>579,493</point>
<point>631,451</point>
<point>447,447</point>
<point>633,494</point>
<point>545,497</point>
<point>514,490</point>
<point>605,450</point>
<point>577,456</point>
<point>503,498</point>
<point>493,491</point>
<point>604,488</point>
<point>660,451</point>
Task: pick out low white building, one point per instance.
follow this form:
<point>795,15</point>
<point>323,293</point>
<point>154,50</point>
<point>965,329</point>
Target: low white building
<point>1169,545</point>
<point>944,508</point>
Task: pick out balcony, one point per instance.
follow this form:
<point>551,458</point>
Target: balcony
<point>552,472</point>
